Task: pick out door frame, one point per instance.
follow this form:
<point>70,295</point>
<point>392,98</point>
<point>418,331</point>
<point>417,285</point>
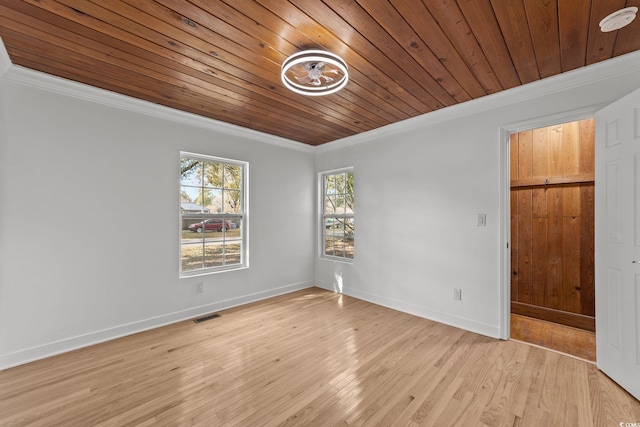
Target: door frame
<point>505,199</point>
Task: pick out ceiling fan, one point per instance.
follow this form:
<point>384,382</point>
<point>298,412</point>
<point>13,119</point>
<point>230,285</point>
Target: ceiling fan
<point>314,73</point>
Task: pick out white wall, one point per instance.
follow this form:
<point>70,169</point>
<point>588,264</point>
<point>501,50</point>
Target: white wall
<point>420,184</point>
<point>89,219</point>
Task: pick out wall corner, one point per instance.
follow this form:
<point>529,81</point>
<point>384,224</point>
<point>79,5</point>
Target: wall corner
<point>5,61</point>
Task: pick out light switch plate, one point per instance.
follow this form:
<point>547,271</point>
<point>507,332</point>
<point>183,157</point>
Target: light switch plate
<point>481,220</point>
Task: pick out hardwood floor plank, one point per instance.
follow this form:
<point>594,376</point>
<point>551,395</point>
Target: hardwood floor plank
<point>311,357</point>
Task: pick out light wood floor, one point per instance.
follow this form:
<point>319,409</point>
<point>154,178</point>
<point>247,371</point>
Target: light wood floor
<point>312,358</point>
<point>565,339</point>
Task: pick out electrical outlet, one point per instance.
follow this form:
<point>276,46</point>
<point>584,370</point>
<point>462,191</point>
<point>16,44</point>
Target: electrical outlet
<point>200,287</point>
<point>457,294</point>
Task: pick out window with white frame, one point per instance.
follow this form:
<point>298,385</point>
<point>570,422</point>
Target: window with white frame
<point>212,214</point>
<point>338,224</point>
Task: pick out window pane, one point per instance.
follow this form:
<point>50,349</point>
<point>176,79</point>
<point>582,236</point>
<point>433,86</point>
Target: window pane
<point>338,247</point>
<point>339,203</point>
<point>232,201</point>
<point>330,184</point>
<point>213,254</point>
<point>233,177</point>
<point>234,232</point>
<point>191,256</point>
<point>349,227</point>
<point>213,200</point>
<point>340,183</point>
<point>190,200</point>
<point>233,253</point>
<point>330,205</point>
<point>328,245</point>
<point>190,172</point>
<point>348,247</point>
<point>349,207</point>
<point>189,231</point>
<point>329,223</point>
<point>349,193</point>
<point>212,174</point>
<point>193,228</point>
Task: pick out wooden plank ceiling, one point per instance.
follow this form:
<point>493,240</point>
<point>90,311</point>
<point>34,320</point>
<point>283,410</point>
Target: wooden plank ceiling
<point>221,58</point>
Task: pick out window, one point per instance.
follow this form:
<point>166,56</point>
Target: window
<point>212,214</point>
<point>338,223</point>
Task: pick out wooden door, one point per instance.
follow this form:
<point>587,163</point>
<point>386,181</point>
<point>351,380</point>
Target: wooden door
<point>552,224</point>
<point>618,242</point>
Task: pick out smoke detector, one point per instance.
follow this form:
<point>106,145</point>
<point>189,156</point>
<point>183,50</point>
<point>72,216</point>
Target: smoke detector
<point>618,19</point>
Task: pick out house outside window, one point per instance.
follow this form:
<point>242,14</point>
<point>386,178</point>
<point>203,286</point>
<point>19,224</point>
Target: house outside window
<point>337,219</point>
<point>213,214</point>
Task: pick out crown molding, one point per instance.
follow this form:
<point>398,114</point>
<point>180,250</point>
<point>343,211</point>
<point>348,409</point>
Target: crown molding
<point>614,68</point>
<point>43,81</point>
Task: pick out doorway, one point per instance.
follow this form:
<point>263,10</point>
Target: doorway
<point>552,237</point>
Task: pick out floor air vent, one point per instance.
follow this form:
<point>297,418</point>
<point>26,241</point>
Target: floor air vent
<point>205,318</point>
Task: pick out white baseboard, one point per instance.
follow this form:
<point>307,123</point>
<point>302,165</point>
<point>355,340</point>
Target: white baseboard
<point>51,349</point>
<point>447,319</point>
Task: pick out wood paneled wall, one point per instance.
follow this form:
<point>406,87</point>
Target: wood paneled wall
<point>552,223</point>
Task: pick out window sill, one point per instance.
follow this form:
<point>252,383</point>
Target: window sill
<point>199,273</point>
<point>336,259</point>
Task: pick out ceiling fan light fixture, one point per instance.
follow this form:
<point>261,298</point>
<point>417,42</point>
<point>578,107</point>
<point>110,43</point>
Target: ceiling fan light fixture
<point>618,19</point>
<point>314,73</point>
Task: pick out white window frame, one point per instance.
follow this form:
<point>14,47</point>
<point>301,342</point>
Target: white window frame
<point>324,216</point>
<point>241,218</point>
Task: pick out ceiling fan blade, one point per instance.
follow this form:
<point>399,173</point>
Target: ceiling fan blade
<point>304,80</point>
<point>331,69</point>
<point>298,71</point>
